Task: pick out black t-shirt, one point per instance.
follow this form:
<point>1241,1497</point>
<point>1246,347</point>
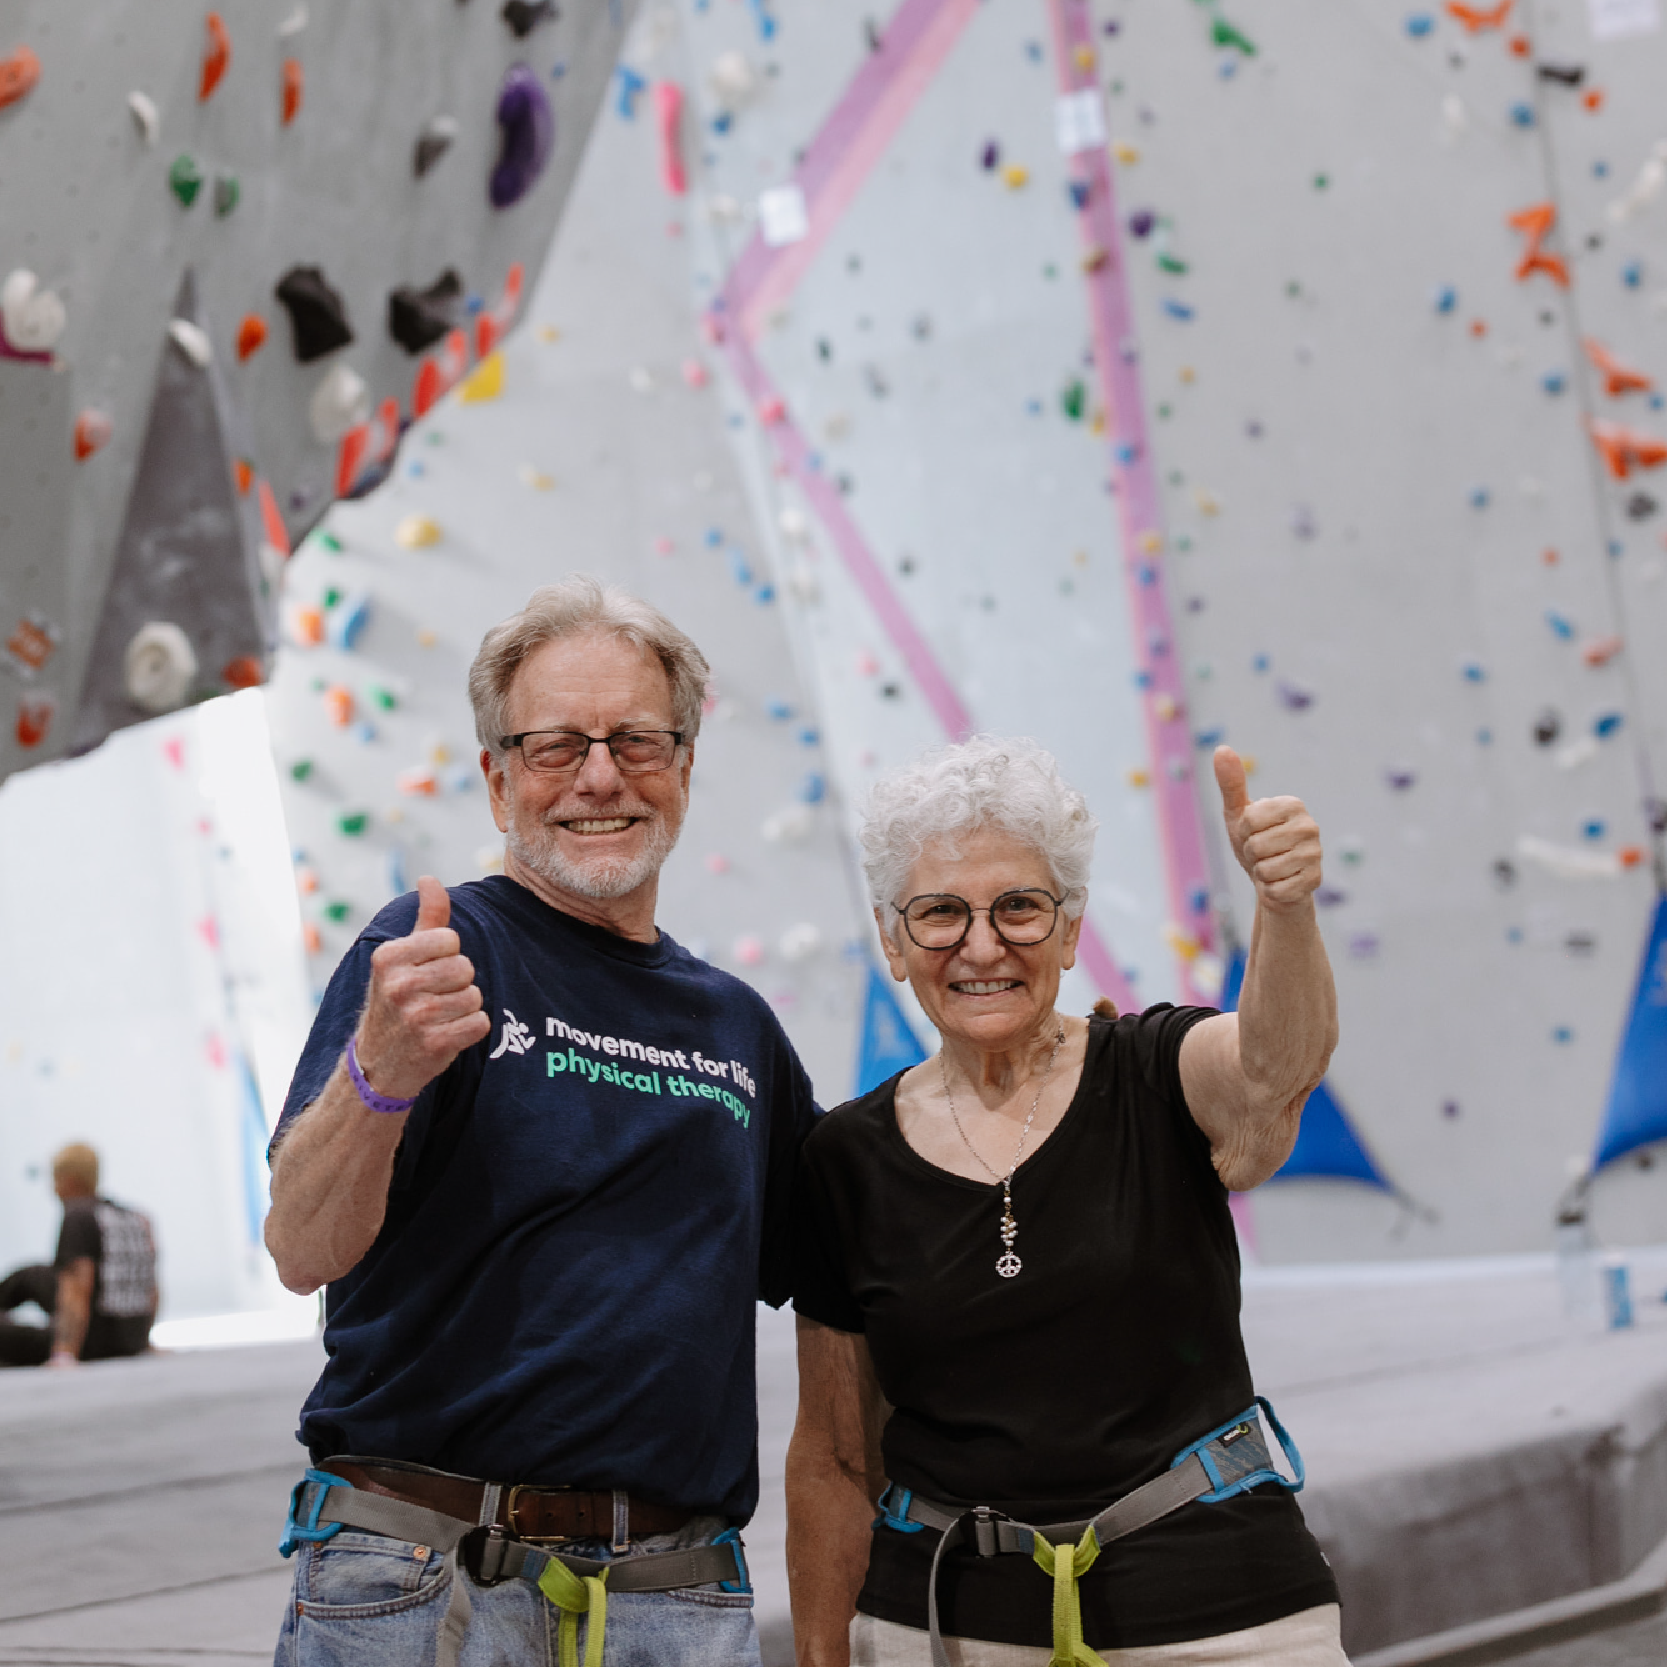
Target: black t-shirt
<point>1051,1394</point>
<point>584,1208</point>
<point>118,1242</point>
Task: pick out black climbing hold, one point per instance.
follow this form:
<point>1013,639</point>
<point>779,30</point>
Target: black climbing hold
<point>1547,727</point>
<point>418,318</point>
<point>316,313</point>
<point>1565,75</point>
<point>1641,506</point>
<point>433,143</point>
<point>1504,873</point>
<point>523,16</point>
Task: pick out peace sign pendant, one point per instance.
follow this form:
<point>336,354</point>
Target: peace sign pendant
<point>1008,1263</point>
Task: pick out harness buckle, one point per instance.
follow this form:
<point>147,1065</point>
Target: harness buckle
<point>732,1538</point>
<point>481,1552</point>
<point>515,1527</point>
<point>896,1515</point>
<point>984,1531</point>
<point>300,1530</point>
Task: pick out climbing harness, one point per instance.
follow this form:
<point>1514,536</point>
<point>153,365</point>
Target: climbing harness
<point>322,1504</point>
<point>1228,1461</point>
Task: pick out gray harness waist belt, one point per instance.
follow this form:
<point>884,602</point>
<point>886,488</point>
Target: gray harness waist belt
<point>489,1554</point>
<point>1228,1461</point>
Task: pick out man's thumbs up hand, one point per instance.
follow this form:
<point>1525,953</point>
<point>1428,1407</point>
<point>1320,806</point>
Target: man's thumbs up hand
<point>1276,841</point>
<point>423,1007</point>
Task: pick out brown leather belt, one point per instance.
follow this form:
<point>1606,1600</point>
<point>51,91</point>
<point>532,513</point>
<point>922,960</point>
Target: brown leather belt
<point>538,1514</point>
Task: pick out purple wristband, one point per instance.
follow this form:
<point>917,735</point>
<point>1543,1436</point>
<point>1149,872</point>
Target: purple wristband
<point>373,1101</point>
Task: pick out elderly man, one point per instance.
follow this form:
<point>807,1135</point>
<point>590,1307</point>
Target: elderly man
<point>540,1156</point>
<point>99,1293</point>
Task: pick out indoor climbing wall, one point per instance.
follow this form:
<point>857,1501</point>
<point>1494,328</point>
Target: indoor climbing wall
<point>240,249</point>
<point>1145,375</point>
<point>896,287</point>
<point>594,441</point>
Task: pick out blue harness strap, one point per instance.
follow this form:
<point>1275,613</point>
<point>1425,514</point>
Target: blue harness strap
<point>303,1530</point>
<point>1236,1460</point>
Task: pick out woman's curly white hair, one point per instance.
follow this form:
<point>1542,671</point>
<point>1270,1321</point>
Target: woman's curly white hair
<point>989,781</point>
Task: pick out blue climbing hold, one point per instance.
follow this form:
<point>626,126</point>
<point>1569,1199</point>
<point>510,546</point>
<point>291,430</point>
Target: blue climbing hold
<point>1420,24</point>
<point>1554,382</point>
<point>1561,627</point>
<point>1606,723</point>
<point>1632,274</point>
<point>1177,309</point>
<point>1446,299</point>
<point>629,87</point>
<point>1522,114</point>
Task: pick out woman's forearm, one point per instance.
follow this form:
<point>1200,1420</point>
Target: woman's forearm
<point>829,1518</point>
<point>1287,1009</point>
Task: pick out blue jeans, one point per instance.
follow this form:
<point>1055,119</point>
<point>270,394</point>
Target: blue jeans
<point>362,1600</point>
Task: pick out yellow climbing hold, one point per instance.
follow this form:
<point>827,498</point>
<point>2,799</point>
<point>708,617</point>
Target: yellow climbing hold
<point>533,476</point>
<point>1015,176</point>
<point>1208,503</point>
<point>427,638</point>
<point>417,532</point>
<point>548,333</point>
<point>484,382</point>
<point>1140,778</point>
<point>1151,542</point>
<point>1125,153</point>
<point>1182,943</point>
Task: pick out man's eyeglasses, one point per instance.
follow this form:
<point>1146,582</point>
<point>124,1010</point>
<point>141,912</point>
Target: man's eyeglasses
<point>941,920</point>
<point>636,752</point>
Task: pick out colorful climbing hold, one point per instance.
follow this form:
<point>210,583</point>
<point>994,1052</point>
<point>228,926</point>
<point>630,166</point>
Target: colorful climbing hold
<point>217,56</point>
<point>185,180</point>
<point>20,72</point>
<point>251,336</point>
<point>485,382</point>
<point>92,433</point>
<point>527,136</point>
<point>292,85</point>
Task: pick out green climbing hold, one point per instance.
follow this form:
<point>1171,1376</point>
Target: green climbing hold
<point>338,912</point>
<point>1172,263</point>
<point>1183,543</point>
<point>1050,270</point>
<point>385,698</point>
<point>332,596</point>
<point>352,823</point>
<point>1222,33</point>
<point>185,180</point>
<point>1321,181</point>
<point>226,194</point>
<point>1074,400</point>
<point>301,769</point>
<point>1163,411</point>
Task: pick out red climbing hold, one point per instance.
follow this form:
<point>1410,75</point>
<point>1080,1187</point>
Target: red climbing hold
<point>1626,449</point>
<point>34,719</point>
<point>92,433</point>
<point>251,336</point>
<point>436,376</point>
<point>243,673</point>
<point>18,75</point>
<point>272,528</point>
<point>1618,379</point>
<point>294,83</point>
<point>1536,223</point>
<point>217,56</point>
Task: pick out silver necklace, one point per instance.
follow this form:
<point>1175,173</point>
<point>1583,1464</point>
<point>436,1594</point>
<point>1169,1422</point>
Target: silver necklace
<point>1009,1263</point>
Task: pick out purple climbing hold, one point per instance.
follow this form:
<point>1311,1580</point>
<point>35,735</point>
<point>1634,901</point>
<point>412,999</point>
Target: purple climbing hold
<point>1328,897</point>
<point>1400,779</point>
<point>1141,222</point>
<point>1292,698</point>
<point>990,157</point>
<point>529,135</point>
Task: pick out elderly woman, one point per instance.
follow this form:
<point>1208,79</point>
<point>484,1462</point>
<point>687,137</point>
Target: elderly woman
<point>1018,1282</point>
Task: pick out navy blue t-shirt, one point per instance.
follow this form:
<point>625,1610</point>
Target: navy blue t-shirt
<point>584,1208</point>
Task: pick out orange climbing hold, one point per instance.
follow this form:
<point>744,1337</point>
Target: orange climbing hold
<point>1521,46</point>
<point>338,702</point>
<point>1593,100</point>
<point>92,433</point>
<point>1536,224</point>
<point>243,473</point>
<point>272,529</point>
<point>312,940</point>
<point>1601,651</point>
<point>306,626</point>
<point>1476,19</point>
<point>243,673</point>
<point>1626,449</point>
<point>18,75</point>
<point>1618,379</point>
<point>294,84</point>
<point>251,336</point>
<point>217,56</point>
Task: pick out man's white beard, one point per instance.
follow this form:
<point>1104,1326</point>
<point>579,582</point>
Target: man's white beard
<point>600,878</point>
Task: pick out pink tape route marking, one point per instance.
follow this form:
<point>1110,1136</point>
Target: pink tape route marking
<point>1169,739</point>
<point>835,165</point>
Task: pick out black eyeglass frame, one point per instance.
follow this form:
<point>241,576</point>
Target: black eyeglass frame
<point>989,909</point>
<point>507,743</point>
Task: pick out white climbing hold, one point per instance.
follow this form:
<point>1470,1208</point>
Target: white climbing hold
<point>782,215</point>
<point>146,117</point>
<point>1567,863</point>
<point>339,403</point>
<point>192,340</point>
<point>794,525</point>
<point>159,667</point>
<point>293,24</point>
<point>789,827</point>
<point>417,532</point>
<point>34,317</point>
<point>800,941</point>
<point>733,80</point>
<point>1652,177</point>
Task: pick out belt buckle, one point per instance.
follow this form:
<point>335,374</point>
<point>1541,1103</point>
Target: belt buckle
<point>515,1527</point>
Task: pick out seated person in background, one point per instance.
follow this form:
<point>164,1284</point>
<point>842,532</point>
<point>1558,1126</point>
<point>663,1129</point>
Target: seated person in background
<point>100,1291</point>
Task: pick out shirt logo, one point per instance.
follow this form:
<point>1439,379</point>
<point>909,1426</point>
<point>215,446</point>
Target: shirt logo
<point>517,1037</point>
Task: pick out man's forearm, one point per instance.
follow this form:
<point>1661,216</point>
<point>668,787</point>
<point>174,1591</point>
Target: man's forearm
<point>330,1178</point>
<point>1287,1008</point>
<point>829,1521</point>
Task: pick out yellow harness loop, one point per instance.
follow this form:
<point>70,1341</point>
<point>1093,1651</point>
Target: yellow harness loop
<point>574,1597</point>
<point>1065,1563</point>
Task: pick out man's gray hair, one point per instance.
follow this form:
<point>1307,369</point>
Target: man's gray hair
<point>570,608</point>
<point>986,782</point>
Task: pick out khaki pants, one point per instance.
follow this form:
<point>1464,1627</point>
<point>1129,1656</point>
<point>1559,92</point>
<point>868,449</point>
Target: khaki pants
<point>1307,1639</point>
